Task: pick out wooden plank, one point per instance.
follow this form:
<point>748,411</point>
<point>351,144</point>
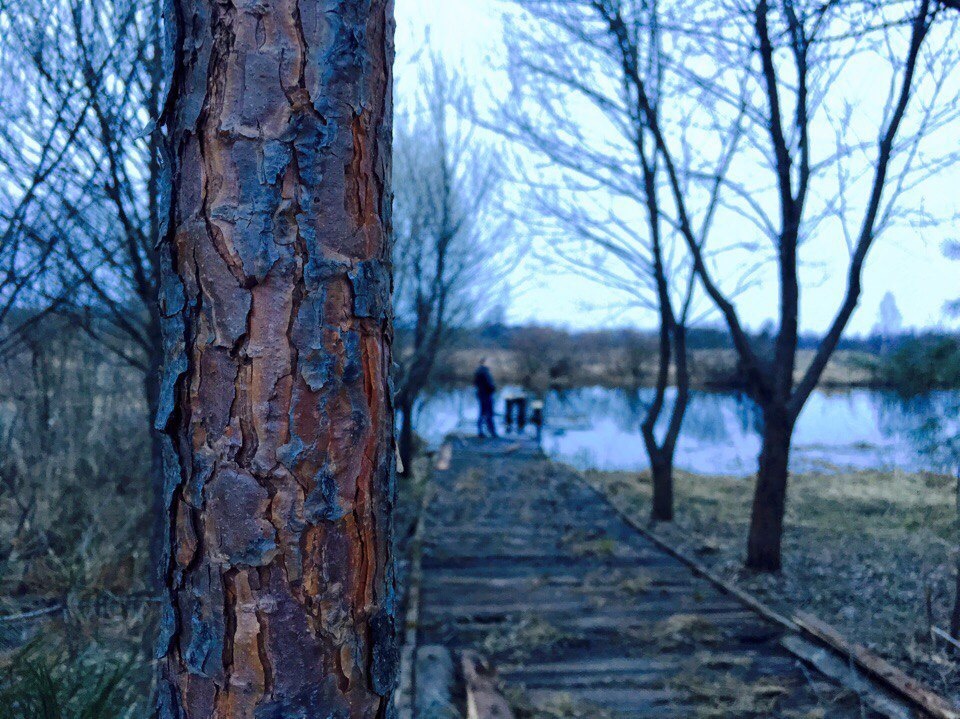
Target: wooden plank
<point>484,700</point>
<point>435,682</point>
<point>879,668</point>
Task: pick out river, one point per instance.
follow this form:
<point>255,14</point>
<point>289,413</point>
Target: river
<point>598,428</point>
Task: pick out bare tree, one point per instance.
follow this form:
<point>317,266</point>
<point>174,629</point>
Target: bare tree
<point>80,204</point>
<point>603,195</point>
<point>789,57</point>
<point>448,241</point>
<point>276,312</point>
<point>83,166</point>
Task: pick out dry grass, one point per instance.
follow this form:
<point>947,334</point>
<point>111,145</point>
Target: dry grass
<point>75,491</point>
<point>74,511</point>
<point>632,582</point>
<point>600,547</point>
<point>721,695</point>
<point>517,640</point>
<point>556,705</point>
<point>679,629</point>
<point>868,552</point>
<point>471,482</point>
<point>634,586</point>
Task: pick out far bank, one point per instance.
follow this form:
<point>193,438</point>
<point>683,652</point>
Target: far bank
<point>541,368</point>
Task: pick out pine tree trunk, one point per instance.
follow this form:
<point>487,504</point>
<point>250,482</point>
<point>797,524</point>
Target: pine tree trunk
<point>770,495</point>
<point>274,401</point>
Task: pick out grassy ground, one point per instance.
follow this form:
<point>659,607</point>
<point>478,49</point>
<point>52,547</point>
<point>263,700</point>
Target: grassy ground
<point>869,552</point>
<point>74,524</point>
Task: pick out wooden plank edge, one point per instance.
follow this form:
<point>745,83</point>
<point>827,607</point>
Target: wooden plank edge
<point>484,700</point>
<point>836,667</point>
<point>945,636</point>
<point>879,669</point>
<point>405,696</point>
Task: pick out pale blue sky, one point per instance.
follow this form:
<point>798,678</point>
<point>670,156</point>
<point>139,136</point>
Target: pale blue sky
<point>468,34</point>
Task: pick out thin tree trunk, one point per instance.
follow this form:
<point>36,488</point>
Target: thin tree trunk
<point>683,388</point>
<point>151,390</point>
<point>673,346</point>
<point>661,471</point>
<point>406,437</point>
<point>274,400</point>
<point>955,615</point>
<point>41,382</point>
<point>663,491</point>
<point>770,495</point>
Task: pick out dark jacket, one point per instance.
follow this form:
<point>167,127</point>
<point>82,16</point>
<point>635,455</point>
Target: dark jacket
<point>483,381</point>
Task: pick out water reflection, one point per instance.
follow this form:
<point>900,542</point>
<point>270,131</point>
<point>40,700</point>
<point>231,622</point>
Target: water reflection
<point>859,429</point>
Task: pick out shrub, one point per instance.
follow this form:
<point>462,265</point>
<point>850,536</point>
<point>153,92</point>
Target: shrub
<point>922,364</point>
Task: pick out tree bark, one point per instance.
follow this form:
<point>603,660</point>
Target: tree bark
<point>661,458</point>
<point>274,401</point>
<point>661,466</point>
<point>770,494</point>
<point>661,470</point>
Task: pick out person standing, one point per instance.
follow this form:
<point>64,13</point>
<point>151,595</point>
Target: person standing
<point>536,417</point>
<point>483,381</point>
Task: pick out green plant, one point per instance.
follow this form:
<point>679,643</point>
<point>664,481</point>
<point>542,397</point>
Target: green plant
<point>38,685</point>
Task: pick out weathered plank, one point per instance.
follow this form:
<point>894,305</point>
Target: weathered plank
<point>586,616</point>
<point>435,682</point>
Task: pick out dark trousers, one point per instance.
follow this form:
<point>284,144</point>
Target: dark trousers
<point>516,412</point>
<point>486,416</point>
<point>537,419</point>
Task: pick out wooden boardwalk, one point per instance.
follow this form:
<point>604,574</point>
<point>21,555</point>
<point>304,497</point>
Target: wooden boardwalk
<point>583,617</point>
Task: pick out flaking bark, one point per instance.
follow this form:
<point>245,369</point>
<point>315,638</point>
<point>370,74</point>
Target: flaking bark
<point>275,405</point>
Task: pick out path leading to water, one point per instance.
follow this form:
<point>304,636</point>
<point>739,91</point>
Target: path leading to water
<point>582,616</point>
